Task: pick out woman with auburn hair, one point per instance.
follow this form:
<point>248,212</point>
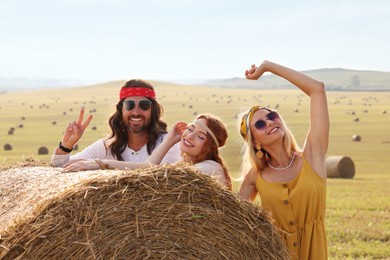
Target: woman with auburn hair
<point>199,144</point>
<point>291,181</point>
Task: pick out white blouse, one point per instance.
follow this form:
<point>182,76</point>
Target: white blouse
<point>213,169</point>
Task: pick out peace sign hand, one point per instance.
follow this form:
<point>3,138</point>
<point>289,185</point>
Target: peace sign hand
<point>74,131</point>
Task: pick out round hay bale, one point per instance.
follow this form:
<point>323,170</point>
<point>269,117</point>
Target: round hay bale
<point>356,138</point>
<point>7,147</point>
<point>384,111</point>
<point>340,167</point>
<point>43,150</point>
<point>170,212</point>
<point>356,119</point>
<point>94,128</point>
<point>76,147</point>
<point>10,132</point>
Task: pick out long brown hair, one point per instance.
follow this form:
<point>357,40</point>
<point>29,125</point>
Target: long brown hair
<point>210,149</point>
<point>117,141</point>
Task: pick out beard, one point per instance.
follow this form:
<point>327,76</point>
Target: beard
<point>135,127</point>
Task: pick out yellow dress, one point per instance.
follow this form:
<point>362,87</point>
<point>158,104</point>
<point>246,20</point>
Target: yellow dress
<point>298,208</point>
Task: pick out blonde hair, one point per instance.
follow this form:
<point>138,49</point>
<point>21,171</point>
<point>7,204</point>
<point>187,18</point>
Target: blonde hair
<point>250,162</point>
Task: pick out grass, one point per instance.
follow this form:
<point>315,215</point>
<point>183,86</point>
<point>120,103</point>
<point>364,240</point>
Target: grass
<point>358,209</point>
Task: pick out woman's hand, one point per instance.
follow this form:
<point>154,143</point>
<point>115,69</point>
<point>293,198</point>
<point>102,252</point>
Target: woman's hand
<point>80,165</point>
<point>177,130</point>
<point>254,73</point>
<point>75,130</point>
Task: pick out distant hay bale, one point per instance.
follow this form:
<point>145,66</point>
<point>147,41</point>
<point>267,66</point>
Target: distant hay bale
<point>162,212</point>
<point>54,122</point>
<point>356,119</point>
<point>356,138</point>
<point>94,128</point>
<point>43,150</point>
<point>20,125</point>
<point>10,132</point>
<point>7,147</point>
<point>340,167</point>
<point>384,111</point>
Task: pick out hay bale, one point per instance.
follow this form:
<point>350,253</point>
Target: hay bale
<point>76,147</point>
<point>356,138</point>
<point>43,150</point>
<point>340,167</point>
<point>7,147</point>
<point>160,212</point>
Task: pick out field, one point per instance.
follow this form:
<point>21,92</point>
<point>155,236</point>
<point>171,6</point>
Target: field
<point>358,209</point>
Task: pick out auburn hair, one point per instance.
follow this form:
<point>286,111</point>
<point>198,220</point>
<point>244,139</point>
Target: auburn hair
<point>210,150</point>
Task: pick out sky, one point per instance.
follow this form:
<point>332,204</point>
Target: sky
<point>101,40</point>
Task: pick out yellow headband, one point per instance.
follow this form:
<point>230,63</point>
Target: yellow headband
<point>200,123</point>
<point>246,118</point>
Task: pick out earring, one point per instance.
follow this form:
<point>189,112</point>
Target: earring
<point>259,153</point>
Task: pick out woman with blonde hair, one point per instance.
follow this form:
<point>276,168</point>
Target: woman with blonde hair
<point>291,181</point>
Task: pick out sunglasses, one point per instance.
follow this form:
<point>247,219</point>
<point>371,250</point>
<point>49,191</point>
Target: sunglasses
<point>261,124</point>
<point>144,104</point>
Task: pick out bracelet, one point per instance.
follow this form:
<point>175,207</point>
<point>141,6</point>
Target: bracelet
<point>103,166</point>
<point>63,148</point>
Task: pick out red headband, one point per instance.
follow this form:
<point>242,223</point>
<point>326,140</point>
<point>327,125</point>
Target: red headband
<point>137,91</point>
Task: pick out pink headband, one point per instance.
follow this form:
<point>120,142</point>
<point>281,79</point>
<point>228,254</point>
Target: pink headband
<point>137,91</point>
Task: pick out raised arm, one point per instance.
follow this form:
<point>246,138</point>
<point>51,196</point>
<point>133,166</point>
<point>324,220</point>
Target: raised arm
<point>73,132</point>
<point>170,140</point>
<point>317,138</point>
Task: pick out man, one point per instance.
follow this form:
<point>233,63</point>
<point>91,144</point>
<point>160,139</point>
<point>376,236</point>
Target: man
<point>136,130</point>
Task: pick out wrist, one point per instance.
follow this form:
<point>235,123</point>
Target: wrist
<point>65,148</point>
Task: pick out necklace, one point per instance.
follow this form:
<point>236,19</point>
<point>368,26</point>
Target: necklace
<point>282,168</point>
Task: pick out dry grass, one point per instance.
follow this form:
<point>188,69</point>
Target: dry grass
<point>163,212</point>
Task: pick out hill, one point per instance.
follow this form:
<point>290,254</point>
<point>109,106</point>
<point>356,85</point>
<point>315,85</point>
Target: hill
<point>334,79</point>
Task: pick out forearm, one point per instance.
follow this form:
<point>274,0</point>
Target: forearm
<point>307,84</point>
<point>161,150</point>
<point>121,165</point>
